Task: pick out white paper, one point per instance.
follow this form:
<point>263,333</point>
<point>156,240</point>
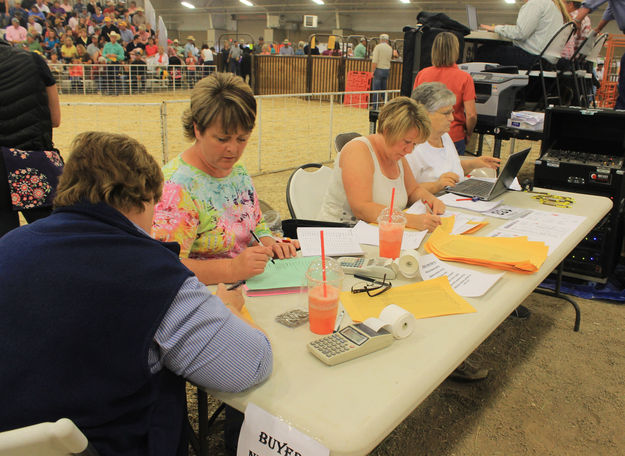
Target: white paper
<point>549,227</point>
<point>369,234</point>
<point>337,241</point>
<point>417,208</point>
<point>451,200</point>
<point>506,212</point>
<point>264,434</point>
<point>465,282</point>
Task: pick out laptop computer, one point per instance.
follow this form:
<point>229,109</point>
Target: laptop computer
<point>487,191</point>
<point>472,18</point>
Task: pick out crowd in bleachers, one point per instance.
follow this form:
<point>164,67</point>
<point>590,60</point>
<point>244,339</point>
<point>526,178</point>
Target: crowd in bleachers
<point>111,44</point>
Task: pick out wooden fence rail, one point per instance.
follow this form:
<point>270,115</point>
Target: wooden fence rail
<point>275,74</point>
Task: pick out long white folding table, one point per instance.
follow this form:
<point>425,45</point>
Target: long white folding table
<point>352,407</point>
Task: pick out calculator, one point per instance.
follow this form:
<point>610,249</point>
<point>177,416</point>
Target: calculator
<point>350,342</point>
<point>368,267</point>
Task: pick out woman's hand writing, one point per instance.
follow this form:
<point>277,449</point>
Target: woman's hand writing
<point>251,261</point>
<point>423,222</point>
<point>490,28</point>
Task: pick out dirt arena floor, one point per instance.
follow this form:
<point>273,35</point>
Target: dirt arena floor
<point>550,391</point>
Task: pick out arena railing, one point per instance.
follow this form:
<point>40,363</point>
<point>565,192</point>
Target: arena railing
<point>291,129</point>
<point>270,75</point>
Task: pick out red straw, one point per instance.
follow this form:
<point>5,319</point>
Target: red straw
<point>323,265</point>
<point>390,214</point>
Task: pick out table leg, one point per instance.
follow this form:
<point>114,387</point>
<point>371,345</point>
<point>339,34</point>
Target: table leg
<point>556,294</point>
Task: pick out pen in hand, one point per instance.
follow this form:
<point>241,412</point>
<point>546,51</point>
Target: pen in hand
<point>260,243</point>
<point>235,285</point>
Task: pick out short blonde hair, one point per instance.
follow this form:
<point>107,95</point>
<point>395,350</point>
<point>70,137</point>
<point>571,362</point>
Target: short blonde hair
<point>112,169</point>
<point>445,50</point>
<point>400,115</point>
<point>221,97</point>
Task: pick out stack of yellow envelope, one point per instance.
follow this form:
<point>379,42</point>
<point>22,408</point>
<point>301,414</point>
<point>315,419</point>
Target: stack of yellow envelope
<point>447,225</point>
<point>510,254</point>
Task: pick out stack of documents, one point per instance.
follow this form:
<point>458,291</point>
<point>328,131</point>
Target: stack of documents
<point>527,120</point>
<point>281,277</point>
<point>510,254</point>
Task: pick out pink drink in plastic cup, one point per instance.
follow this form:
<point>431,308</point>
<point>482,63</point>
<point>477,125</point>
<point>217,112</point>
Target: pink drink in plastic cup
<point>390,239</point>
<point>391,230</point>
<point>322,309</point>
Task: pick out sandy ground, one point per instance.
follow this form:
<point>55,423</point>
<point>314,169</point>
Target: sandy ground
<point>550,391</point>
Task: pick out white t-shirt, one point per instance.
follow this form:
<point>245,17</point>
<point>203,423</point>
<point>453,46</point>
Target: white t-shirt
<point>428,163</point>
<point>336,208</point>
<point>207,55</point>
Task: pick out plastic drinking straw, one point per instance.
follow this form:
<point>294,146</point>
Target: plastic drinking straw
<point>323,264</point>
<point>390,214</point>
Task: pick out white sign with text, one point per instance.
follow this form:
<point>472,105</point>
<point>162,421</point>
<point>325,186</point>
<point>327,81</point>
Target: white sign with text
<point>263,434</point>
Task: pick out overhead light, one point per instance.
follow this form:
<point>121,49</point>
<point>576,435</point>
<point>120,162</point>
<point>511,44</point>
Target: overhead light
<point>318,2</point>
<point>405,1</point>
<point>510,1</point>
<point>246,2</point>
<point>188,5</point>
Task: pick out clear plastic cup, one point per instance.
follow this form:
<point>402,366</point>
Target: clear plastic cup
<point>323,296</point>
<point>391,232</point>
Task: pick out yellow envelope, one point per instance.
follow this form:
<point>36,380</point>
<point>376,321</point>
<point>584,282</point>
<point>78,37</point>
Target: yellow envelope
<point>430,298</point>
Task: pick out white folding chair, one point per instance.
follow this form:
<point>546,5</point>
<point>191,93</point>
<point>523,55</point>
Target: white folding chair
<point>305,190</point>
<point>61,438</point>
<point>552,52</point>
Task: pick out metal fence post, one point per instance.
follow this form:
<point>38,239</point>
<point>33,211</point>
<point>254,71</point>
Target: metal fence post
<point>260,129</point>
<point>164,131</point>
<point>331,119</point>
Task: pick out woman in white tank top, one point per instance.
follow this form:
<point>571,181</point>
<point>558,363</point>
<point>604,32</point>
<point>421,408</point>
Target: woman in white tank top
<point>368,168</point>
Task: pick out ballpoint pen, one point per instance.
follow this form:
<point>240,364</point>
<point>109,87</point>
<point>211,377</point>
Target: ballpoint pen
<point>259,243</point>
<point>235,285</point>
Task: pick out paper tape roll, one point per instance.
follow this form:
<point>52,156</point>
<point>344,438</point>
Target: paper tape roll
<point>408,264</point>
<point>399,322</point>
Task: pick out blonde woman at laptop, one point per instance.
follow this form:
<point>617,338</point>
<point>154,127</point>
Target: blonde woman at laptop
<point>435,163</point>
<point>369,167</point>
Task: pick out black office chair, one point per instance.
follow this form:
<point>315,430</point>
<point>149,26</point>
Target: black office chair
<point>343,138</point>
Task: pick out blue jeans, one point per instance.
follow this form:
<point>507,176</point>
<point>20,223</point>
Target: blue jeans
<point>380,78</point>
<point>620,101</point>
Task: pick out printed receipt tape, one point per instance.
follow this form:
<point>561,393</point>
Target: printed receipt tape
<point>407,264</point>
<point>399,322</point>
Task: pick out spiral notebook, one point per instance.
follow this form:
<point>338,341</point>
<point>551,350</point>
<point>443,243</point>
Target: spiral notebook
<point>338,241</point>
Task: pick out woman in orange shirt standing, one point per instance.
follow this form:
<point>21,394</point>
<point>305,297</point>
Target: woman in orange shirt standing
<point>445,52</point>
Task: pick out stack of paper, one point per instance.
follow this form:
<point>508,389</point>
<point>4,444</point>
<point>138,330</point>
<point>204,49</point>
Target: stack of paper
<point>337,241</point>
<point>462,223</point>
<point>283,276</point>
<point>510,254</point>
<point>430,298</point>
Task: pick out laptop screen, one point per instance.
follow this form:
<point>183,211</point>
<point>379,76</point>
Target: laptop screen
<point>472,17</point>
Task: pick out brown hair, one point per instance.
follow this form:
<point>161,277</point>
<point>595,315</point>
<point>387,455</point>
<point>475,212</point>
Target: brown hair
<point>400,115</point>
<point>220,97</point>
<point>445,49</point>
<point>109,168</point>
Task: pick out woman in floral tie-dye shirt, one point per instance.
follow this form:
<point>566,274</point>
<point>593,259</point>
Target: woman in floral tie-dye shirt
<point>209,205</point>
